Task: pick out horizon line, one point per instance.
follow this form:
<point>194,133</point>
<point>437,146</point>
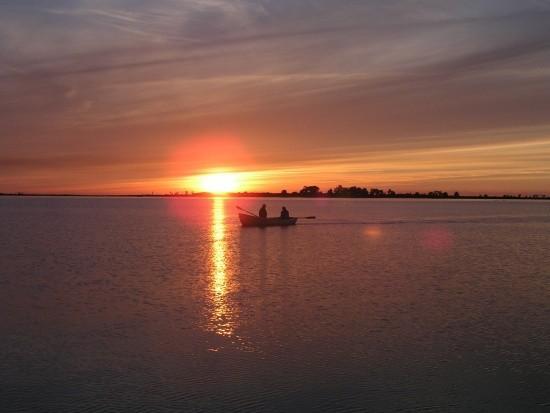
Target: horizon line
<point>296,194</point>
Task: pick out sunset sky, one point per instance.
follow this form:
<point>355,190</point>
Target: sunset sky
<point>120,96</point>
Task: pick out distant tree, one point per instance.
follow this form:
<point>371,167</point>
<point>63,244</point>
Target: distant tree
<point>339,191</point>
<point>312,190</point>
<point>376,192</point>
<point>357,191</point>
<point>390,192</point>
<point>456,195</point>
<point>284,192</point>
<point>330,192</point>
<point>438,194</point>
<point>352,191</point>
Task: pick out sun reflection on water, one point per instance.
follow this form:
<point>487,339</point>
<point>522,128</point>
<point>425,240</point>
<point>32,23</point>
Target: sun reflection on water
<point>221,318</point>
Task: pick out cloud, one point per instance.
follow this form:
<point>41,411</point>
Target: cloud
<point>140,76</point>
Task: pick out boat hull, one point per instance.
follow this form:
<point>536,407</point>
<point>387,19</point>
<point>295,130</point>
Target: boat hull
<point>252,221</point>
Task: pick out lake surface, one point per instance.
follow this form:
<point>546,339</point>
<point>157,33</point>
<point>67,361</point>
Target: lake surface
<point>168,305</point>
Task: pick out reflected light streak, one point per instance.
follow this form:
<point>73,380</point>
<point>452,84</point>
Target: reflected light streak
<point>221,317</point>
<point>373,231</point>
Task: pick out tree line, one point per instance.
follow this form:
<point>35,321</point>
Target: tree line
<point>314,191</point>
<point>361,192</point>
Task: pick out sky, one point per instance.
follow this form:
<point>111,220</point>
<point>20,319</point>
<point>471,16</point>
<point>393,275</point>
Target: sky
<point>120,96</point>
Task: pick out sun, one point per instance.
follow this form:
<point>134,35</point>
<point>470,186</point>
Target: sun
<point>219,183</point>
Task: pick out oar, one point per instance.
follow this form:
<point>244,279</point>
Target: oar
<point>312,217</point>
<point>248,212</point>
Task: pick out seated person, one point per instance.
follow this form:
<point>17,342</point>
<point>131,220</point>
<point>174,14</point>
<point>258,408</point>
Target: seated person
<point>263,212</point>
<point>284,213</point>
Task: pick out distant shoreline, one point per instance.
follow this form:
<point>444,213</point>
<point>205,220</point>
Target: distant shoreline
<point>279,195</point>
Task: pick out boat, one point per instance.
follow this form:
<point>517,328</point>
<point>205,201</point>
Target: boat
<point>254,221</point>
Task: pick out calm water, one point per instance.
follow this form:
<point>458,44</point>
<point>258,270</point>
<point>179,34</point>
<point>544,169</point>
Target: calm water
<point>137,305</point>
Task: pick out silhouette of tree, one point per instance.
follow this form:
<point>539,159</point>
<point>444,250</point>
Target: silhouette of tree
<point>312,190</point>
<point>353,191</point>
<point>339,191</point>
<point>438,194</point>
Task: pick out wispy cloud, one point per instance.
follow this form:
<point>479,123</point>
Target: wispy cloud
<point>143,76</point>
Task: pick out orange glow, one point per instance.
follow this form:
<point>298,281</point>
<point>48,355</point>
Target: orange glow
<point>219,183</point>
<point>373,232</point>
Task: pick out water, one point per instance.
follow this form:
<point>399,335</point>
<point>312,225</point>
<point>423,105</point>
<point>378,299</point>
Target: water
<point>168,305</point>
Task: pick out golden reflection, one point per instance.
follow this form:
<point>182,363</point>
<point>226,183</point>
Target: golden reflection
<point>221,316</point>
<point>373,232</point>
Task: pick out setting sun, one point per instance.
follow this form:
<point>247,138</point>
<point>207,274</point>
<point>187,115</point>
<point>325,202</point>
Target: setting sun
<point>219,183</point>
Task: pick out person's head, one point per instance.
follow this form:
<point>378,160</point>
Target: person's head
<point>263,205</point>
<point>284,208</point>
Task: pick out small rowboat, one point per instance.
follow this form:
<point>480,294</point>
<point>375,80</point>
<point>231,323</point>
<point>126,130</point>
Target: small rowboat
<point>252,221</point>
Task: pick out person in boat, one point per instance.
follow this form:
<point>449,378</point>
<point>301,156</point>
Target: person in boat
<point>263,212</point>
<point>285,214</point>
